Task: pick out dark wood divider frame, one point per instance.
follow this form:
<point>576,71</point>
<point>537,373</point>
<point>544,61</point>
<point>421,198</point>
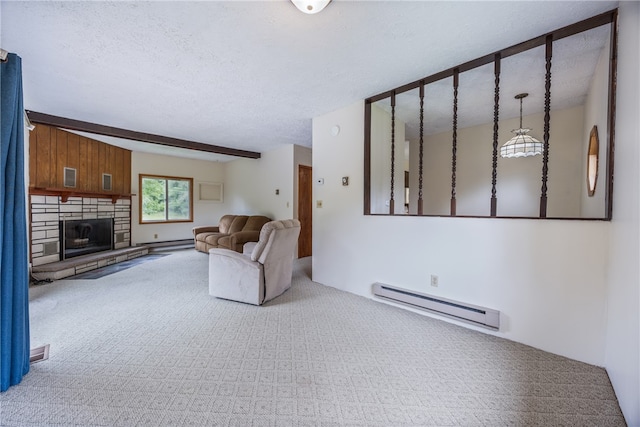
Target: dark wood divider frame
<point>546,40</point>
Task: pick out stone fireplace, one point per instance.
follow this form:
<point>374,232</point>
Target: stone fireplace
<point>59,223</point>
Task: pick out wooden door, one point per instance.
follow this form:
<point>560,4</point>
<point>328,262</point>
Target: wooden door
<point>305,204</point>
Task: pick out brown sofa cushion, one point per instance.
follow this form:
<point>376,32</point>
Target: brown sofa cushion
<point>211,238</point>
<point>255,223</point>
<point>238,224</point>
<point>225,223</point>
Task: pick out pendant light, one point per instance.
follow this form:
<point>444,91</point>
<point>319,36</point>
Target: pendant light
<point>521,145</point>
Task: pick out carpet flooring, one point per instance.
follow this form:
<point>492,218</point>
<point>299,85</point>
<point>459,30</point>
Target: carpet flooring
<point>148,346</point>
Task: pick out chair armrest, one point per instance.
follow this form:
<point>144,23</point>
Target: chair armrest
<point>247,248</point>
<point>205,229</point>
<point>229,256</point>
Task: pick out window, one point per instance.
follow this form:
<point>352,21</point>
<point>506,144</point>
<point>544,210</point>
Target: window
<point>165,199</point>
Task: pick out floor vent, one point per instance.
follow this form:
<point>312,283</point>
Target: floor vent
<point>39,354</point>
<point>480,316</point>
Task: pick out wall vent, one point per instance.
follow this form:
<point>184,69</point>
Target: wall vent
<point>480,316</point>
<point>106,182</point>
<point>120,237</point>
<point>69,177</point>
<point>50,248</point>
<point>39,354</point>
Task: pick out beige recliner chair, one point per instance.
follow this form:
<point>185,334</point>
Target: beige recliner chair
<point>262,272</point>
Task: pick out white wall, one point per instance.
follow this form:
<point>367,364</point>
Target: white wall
<point>204,213</point>
<point>623,294</point>
<point>251,184</point>
<point>546,277</point>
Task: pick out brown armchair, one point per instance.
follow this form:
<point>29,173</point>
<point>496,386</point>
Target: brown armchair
<point>232,232</point>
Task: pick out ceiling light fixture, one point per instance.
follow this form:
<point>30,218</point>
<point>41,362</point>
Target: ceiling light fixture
<point>521,145</point>
<point>310,6</point>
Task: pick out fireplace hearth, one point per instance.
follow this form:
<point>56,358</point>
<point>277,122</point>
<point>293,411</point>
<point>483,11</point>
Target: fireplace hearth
<point>85,236</point>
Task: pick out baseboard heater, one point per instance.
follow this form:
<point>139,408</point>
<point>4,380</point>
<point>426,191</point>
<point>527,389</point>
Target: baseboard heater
<point>474,314</point>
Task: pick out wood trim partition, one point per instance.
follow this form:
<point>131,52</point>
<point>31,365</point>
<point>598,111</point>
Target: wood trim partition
<point>547,125</point>
<point>52,149</point>
<point>496,120</point>
<point>454,141</point>
<point>546,40</point>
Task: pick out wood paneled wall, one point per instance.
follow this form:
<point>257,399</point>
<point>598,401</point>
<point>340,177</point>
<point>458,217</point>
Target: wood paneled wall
<point>52,149</point>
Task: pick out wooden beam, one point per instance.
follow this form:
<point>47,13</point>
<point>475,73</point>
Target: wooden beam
<point>71,124</point>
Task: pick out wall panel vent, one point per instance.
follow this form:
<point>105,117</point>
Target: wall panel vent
<point>480,316</point>
<point>106,182</point>
<point>70,177</point>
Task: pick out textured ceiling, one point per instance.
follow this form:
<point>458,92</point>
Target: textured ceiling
<point>248,75</point>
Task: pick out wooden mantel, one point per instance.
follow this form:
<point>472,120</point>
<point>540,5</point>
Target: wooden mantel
<point>65,193</point>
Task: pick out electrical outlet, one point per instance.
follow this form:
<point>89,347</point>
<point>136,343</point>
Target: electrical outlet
<point>434,280</point>
<point>155,236</point>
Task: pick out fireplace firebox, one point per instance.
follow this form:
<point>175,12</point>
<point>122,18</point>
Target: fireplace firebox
<point>85,236</point>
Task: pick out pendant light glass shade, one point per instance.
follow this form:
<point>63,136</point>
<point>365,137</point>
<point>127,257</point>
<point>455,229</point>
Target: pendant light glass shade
<point>521,145</point>
<point>310,6</point>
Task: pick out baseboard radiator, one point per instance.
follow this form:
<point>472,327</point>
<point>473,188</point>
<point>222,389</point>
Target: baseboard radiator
<point>480,316</point>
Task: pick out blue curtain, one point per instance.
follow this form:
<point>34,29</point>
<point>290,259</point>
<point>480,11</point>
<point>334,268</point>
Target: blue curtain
<point>14,269</point>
